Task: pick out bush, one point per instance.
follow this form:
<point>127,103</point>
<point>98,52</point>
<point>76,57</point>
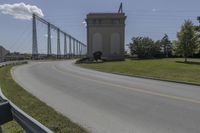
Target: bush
<point>145,47</point>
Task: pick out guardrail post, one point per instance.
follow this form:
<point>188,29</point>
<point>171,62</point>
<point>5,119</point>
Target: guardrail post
<point>29,124</point>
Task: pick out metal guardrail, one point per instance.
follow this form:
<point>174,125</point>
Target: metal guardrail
<point>29,124</point>
<point>2,64</point>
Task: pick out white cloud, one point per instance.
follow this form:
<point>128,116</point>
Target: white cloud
<point>21,10</point>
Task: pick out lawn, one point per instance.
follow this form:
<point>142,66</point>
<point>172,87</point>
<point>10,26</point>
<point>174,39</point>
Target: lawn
<point>34,107</point>
<point>167,69</point>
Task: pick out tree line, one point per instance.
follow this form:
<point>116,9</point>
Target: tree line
<point>186,45</point>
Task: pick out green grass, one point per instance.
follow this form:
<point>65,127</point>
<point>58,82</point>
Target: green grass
<point>167,69</point>
<point>34,107</point>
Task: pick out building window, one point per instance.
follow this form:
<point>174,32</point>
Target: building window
<point>115,21</point>
<point>97,21</point>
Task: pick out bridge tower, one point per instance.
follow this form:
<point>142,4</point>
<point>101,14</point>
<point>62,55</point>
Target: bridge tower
<point>34,39</point>
<point>106,33</point>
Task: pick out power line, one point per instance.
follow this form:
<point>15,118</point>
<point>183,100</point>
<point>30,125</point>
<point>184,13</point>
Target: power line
<point>16,42</point>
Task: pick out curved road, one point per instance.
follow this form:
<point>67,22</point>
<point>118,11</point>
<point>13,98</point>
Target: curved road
<point>108,103</point>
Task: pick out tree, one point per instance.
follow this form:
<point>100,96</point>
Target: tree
<point>187,42</point>
<point>144,47</point>
<point>166,46</point>
<point>197,28</point>
<point>175,51</point>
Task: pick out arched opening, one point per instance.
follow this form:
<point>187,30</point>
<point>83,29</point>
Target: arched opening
<point>97,43</point>
<point>115,44</point>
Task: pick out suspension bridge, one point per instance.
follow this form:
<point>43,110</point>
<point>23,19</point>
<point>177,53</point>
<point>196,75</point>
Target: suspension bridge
<point>74,47</point>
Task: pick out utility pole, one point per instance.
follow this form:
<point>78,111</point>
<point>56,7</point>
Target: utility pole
<point>70,46</point>
<point>74,48</point>
<point>49,40</point>
<point>81,49</point>
<point>34,38</point>
<point>58,43</point>
<point>65,45</point>
<point>77,48</point>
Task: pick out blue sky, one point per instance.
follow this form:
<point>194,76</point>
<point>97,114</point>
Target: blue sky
<point>151,18</point>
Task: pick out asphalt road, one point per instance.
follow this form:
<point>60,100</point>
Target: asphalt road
<point>108,103</point>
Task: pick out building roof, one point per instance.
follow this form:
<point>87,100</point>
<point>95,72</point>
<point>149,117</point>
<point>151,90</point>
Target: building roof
<point>106,15</point>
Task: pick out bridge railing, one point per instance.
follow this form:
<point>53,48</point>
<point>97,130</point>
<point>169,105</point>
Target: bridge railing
<point>29,124</point>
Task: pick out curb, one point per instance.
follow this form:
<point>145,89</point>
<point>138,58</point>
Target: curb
<point>152,78</point>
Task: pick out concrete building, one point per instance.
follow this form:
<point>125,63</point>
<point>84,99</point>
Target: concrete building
<point>105,33</point>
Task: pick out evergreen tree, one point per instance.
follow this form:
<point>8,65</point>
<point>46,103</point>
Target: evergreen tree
<point>166,45</point>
